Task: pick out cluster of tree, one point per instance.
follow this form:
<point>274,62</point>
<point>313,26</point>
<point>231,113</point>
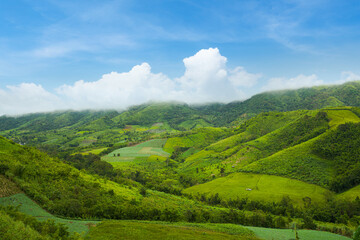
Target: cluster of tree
<point>335,211</point>
<point>93,164</point>
<point>16,225</point>
<point>342,146</point>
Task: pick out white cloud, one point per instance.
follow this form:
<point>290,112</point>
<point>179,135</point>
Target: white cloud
<point>27,98</point>
<point>118,90</point>
<point>206,79</point>
<point>348,76</point>
<point>241,78</point>
<point>292,83</point>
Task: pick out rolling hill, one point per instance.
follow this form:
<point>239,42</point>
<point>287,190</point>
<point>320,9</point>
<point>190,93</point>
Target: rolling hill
<point>274,160</point>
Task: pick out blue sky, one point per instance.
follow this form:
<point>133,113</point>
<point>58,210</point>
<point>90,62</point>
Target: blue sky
<point>62,54</point>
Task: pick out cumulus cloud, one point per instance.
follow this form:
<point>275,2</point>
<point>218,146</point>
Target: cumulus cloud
<point>118,90</point>
<point>292,83</point>
<point>206,79</point>
<point>27,98</point>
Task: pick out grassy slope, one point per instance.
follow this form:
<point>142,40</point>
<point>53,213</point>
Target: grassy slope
<point>29,207</point>
<point>147,230</point>
<point>145,149</point>
<point>161,230</point>
<point>12,196</point>
<point>350,194</point>
<point>286,234</point>
<point>263,188</point>
<point>57,186</point>
<point>300,162</point>
<point>297,162</point>
<point>242,149</point>
<point>197,138</point>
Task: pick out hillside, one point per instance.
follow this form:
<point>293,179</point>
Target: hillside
<point>347,94</point>
<point>240,163</point>
<point>69,130</point>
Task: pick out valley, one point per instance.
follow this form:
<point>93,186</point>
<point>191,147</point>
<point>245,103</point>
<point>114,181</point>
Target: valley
<point>256,169</point>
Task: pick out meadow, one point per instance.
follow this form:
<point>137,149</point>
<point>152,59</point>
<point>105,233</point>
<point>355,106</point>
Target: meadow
<point>260,187</point>
<point>145,149</point>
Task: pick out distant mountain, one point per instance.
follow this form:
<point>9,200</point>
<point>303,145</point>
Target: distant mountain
<point>347,94</point>
<point>66,129</point>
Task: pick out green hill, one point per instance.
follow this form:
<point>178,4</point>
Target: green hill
<point>270,161</point>
<point>259,187</point>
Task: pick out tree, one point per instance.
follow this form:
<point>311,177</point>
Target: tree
<point>357,234</point>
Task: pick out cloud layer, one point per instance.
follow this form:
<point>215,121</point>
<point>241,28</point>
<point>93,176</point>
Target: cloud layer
<point>206,79</point>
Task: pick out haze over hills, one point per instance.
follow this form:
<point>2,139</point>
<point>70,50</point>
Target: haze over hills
<point>178,120</point>
<point>274,160</point>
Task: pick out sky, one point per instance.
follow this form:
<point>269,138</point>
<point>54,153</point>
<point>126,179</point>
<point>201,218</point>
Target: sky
<point>102,54</point>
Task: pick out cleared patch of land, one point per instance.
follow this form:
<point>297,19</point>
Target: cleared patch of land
<point>260,187</point>
<point>339,116</point>
<point>145,149</point>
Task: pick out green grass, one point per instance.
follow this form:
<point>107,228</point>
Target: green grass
<point>296,162</point>
<point>350,194</point>
<point>163,230</point>
<point>142,150</point>
<point>147,230</point>
<point>193,124</point>
<point>197,138</point>
<point>340,116</point>
<point>286,234</point>
<point>29,207</point>
<point>263,188</point>
<point>94,151</point>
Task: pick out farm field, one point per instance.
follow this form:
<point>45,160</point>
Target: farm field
<point>29,207</point>
<point>142,150</point>
<point>260,187</point>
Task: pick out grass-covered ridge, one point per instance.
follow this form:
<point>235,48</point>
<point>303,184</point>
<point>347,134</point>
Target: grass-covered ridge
<point>222,163</point>
<point>265,188</point>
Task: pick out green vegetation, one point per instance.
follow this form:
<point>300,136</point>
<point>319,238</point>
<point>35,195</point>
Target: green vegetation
<point>342,147</point>
<point>146,230</point>
<point>253,163</point>
<point>265,188</point>
<point>285,234</point>
<point>25,205</point>
<point>146,149</point>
